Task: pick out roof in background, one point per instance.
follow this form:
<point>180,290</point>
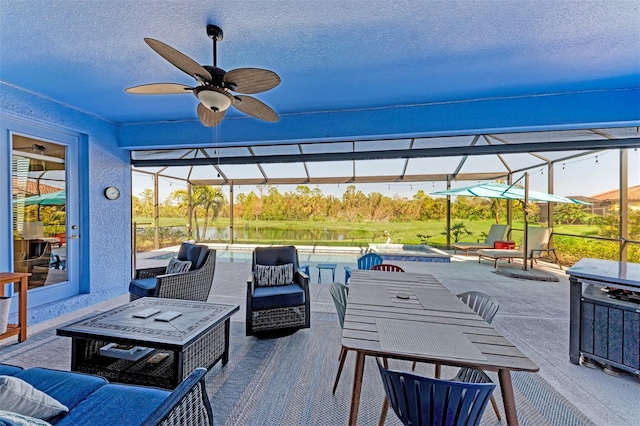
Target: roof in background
<point>633,194</point>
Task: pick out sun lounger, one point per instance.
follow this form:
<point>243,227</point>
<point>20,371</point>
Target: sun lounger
<point>496,233</point>
<point>538,242</point>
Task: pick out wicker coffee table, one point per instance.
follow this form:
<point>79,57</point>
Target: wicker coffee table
<point>199,337</point>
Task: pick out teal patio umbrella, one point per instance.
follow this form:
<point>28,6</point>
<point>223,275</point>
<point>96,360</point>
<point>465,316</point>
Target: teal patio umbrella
<point>510,192</point>
<point>506,192</point>
<point>58,198</point>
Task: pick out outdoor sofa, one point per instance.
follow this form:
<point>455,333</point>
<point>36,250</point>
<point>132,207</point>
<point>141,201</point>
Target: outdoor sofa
<point>92,400</point>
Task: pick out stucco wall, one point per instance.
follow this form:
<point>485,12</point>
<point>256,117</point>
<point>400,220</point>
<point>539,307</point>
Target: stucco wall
<point>105,226</point>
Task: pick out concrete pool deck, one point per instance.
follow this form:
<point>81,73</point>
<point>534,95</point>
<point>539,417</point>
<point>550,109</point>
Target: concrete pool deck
<point>533,315</point>
<point>410,252</point>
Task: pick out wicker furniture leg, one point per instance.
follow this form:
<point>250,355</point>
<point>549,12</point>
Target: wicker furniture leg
<point>227,332</point>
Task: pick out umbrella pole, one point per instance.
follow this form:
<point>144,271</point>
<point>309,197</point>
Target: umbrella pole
<point>525,240</point>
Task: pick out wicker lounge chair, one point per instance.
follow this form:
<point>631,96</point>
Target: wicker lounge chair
<point>496,233</point>
<point>538,243</point>
<point>275,299</point>
<point>194,284</point>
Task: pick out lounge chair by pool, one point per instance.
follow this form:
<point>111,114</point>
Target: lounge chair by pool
<point>496,233</point>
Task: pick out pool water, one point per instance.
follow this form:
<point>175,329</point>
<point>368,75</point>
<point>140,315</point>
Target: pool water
<point>245,256</point>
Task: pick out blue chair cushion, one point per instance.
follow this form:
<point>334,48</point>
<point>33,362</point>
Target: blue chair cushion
<point>9,370</point>
<point>68,388</point>
<point>282,296</point>
<point>196,254</point>
<point>276,256</point>
<point>115,404</point>
<point>182,251</point>
<point>143,287</point>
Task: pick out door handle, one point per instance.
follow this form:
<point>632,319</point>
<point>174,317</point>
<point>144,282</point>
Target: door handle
<point>75,237</point>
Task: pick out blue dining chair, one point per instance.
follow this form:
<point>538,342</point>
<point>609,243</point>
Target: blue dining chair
<point>487,307</point>
<point>366,261</point>
<point>419,400</point>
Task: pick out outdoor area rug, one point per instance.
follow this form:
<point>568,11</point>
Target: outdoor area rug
<point>288,380</point>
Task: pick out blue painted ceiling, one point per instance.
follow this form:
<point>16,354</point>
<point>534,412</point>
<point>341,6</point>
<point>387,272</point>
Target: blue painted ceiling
<point>333,56</point>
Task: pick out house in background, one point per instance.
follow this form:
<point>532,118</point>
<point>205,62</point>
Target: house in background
<point>609,201</point>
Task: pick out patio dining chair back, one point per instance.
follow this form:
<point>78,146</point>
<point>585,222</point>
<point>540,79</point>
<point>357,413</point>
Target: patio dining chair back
<point>365,262</point>
<point>339,293</point>
<point>487,307</point>
<point>419,400</point>
<point>482,304</point>
<point>386,267</point>
<point>369,260</point>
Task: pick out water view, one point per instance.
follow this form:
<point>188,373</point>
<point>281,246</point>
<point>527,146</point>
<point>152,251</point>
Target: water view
<point>244,256</point>
<point>249,233</point>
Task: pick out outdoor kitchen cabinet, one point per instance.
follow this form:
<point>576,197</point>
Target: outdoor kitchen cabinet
<point>603,329</point>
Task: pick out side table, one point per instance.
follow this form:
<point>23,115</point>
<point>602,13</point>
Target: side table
<point>322,266</point>
<point>504,245</point>
<point>21,279</point>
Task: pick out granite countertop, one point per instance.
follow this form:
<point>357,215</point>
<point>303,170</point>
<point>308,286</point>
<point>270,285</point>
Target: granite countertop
<point>609,271</point>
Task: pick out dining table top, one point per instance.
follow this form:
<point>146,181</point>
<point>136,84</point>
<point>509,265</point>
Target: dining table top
<point>415,317</point>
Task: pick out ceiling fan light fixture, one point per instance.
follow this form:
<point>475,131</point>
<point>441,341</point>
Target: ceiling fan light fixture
<point>214,98</point>
<point>214,86</point>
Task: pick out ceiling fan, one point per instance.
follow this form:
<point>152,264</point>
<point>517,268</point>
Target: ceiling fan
<point>214,85</point>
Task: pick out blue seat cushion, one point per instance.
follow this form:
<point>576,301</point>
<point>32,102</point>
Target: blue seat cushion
<point>143,287</point>
<point>67,387</point>
<point>9,370</point>
<point>115,404</point>
<point>281,296</point>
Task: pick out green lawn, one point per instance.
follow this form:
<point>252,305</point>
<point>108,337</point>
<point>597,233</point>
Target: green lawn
<point>363,233</point>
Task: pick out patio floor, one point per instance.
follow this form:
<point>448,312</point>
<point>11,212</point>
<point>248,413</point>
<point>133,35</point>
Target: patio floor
<point>534,315</point>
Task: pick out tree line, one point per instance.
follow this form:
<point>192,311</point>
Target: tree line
<point>304,203</point>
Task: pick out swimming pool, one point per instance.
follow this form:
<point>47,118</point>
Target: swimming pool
<point>411,253</point>
<point>245,256</point>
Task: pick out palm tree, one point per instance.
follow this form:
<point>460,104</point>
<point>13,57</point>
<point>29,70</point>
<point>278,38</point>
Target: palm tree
<point>210,201</point>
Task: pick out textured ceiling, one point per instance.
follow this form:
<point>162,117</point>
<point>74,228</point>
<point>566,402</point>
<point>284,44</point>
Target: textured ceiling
<point>331,55</point>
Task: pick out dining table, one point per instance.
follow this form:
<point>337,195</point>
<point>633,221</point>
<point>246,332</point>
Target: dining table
<point>414,317</point>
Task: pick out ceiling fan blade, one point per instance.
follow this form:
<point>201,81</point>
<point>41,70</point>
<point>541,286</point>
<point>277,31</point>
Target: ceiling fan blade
<point>209,117</point>
<point>255,108</point>
<point>179,60</point>
<point>159,89</point>
<point>251,80</point>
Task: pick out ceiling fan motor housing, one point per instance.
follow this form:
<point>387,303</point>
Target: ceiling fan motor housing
<point>214,98</point>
